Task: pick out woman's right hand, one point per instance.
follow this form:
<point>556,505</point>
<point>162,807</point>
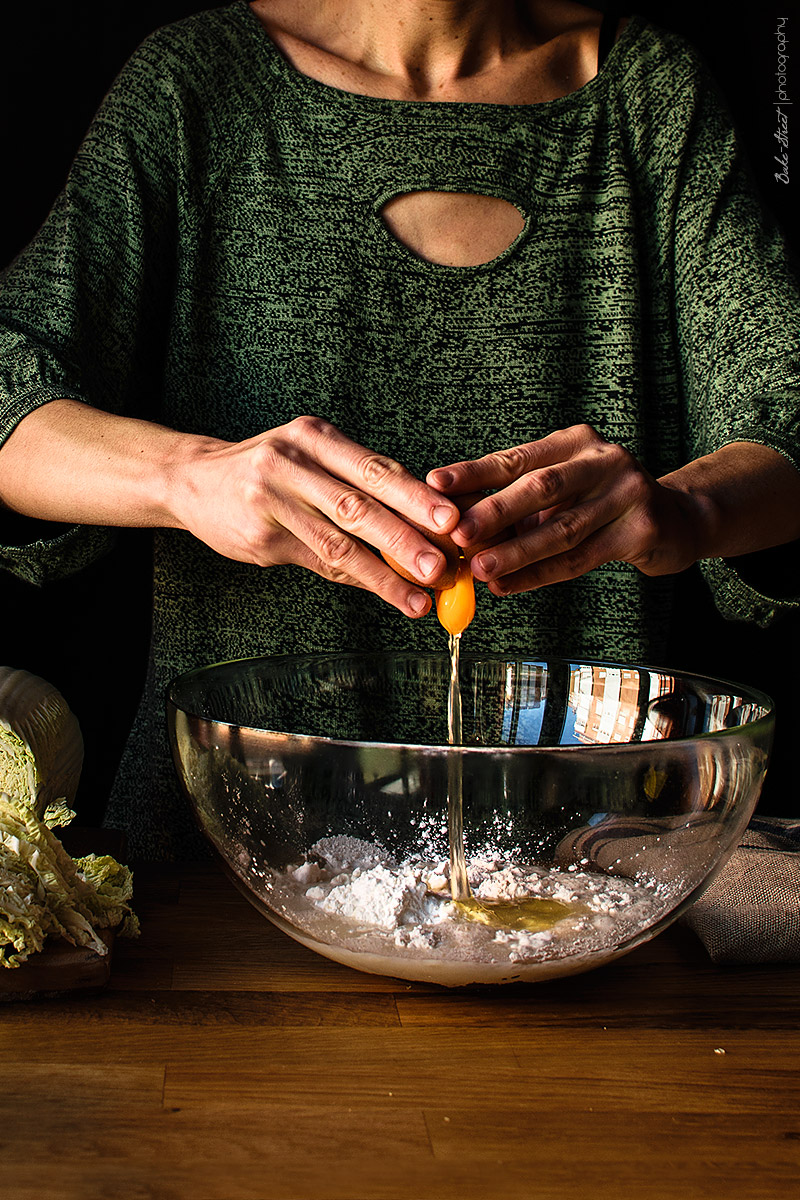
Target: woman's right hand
<point>304,493</point>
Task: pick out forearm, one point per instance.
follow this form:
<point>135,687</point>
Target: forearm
<point>72,463</point>
<point>740,499</point>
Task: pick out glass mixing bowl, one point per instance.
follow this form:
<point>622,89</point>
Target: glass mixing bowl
<point>598,800</point>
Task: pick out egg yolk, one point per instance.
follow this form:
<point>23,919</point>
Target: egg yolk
<point>455,606</point>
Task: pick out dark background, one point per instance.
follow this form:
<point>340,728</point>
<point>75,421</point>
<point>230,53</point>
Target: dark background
<point>88,635</point>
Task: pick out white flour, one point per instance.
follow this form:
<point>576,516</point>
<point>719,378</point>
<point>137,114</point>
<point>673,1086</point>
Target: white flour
<point>353,894</point>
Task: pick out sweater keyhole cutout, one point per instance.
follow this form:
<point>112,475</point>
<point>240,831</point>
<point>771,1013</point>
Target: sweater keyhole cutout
<point>453,229</point>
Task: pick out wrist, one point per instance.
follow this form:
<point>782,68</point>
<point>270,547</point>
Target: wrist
<point>740,499</point>
<point>702,522</point>
<point>179,475</point>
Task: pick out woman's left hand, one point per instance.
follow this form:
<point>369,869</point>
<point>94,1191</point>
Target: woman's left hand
<point>576,501</point>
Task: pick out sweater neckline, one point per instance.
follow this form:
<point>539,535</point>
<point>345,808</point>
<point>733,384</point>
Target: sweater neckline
<point>299,82</point>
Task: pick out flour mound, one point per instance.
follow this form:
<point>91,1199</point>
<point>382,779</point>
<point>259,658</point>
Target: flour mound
<point>351,893</point>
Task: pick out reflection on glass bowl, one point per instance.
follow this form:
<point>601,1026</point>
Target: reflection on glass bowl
<point>598,800</point>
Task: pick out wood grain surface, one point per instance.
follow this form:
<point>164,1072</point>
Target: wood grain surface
<point>225,1062</point>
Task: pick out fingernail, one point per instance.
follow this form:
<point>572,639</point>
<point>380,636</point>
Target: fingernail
<point>444,478</point>
<point>487,563</point>
<point>441,515</point>
<point>418,602</point>
<point>467,527</point>
<point>428,563</point>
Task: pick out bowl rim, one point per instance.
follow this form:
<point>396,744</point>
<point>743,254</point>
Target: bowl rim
<point>765,722</point>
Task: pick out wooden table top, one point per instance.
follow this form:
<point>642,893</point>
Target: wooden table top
<point>226,1062</point>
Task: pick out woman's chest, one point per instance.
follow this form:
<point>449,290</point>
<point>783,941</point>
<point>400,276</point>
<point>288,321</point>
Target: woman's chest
<point>464,305</point>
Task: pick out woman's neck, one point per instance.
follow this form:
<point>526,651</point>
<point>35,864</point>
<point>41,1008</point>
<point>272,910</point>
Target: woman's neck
<point>487,50</point>
<point>430,45</point>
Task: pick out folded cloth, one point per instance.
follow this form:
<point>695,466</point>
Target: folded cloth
<point>751,912</point>
<point>619,844</point>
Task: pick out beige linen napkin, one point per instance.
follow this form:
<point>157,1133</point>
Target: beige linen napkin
<point>751,912</point>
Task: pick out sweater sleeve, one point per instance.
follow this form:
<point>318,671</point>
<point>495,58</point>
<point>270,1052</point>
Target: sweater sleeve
<point>83,309</point>
<point>737,321</point>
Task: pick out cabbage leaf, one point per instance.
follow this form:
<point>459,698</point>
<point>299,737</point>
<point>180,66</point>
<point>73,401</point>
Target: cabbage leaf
<point>44,891</point>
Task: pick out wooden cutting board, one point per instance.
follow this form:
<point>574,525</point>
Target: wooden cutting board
<point>61,967</point>
<point>57,969</point>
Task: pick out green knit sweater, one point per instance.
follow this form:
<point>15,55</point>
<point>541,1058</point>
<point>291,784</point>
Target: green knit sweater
<point>217,262</point>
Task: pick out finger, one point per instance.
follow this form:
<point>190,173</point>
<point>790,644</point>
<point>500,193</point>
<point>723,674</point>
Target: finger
<point>563,532</point>
<point>374,474</point>
<point>597,549</point>
<point>333,554</point>
<point>359,514</point>
<point>300,488</point>
<point>501,467</point>
<point>539,491</point>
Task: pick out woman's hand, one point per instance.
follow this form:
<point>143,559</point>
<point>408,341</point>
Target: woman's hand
<point>577,501</point>
<point>304,493</point>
